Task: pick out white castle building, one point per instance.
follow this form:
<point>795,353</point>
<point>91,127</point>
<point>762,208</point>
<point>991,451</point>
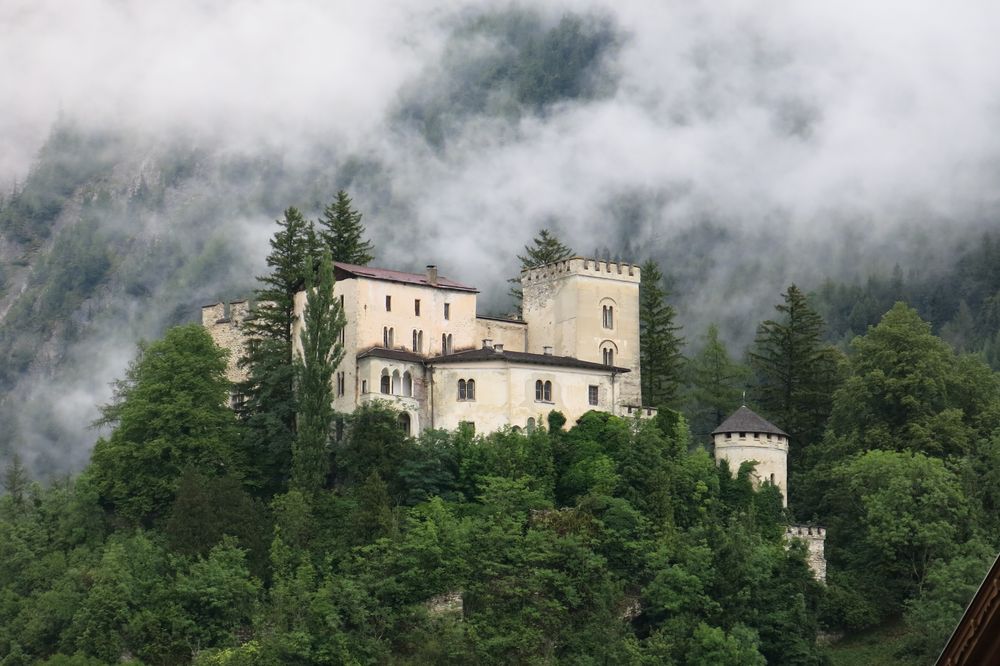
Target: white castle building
<point>415,341</point>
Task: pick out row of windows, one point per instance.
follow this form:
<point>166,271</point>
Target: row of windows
<point>417,342</point>
<point>543,390</point>
<point>756,435</point>
<point>416,307</point>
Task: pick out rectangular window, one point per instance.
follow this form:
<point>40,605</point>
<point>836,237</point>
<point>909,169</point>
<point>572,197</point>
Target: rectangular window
<point>388,303</point>
<point>364,386</point>
<point>416,307</point>
<point>447,310</point>
<point>467,426</point>
<point>592,394</point>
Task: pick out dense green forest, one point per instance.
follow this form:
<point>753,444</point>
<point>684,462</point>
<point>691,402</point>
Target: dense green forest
<point>201,535</point>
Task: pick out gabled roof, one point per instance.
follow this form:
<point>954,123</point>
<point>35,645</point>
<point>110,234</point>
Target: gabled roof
<point>523,357</point>
<point>341,270</point>
<point>745,420</point>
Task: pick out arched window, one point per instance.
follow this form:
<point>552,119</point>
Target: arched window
<point>415,340</point>
<point>404,423</point>
<point>420,342</point>
<point>608,352</point>
<point>390,339</point>
<point>449,343</point>
<point>444,343</point>
<point>386,383</point>
<point>608,316</point>
<point>385,337</point>
<point>548,391</point>
<point>397,383</point>
<point>470,389</point>
<point>531,425</point>
<point>461,389</point>
<point>539,390</point>
<point>772,479</point>
<point>407,384</point>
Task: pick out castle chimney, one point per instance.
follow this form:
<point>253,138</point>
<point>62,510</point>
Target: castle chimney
<point>432,275</point>
<point>498,348</point>
<point>487,343</point>
<point>547,351</point>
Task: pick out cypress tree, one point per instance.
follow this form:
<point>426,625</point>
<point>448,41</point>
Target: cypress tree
<point>323,320</point>
<point>660,347</point>
<point>796,374</point>
<point>341,231</point>
<point>269,406</point>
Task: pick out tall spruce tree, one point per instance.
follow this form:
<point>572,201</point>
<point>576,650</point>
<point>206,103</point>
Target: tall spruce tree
<point>269,406</point>
<point>341,231</point>
<point>660,357</point>
<point>323,320</point>
<point>716,384</point>
<point>796,373</point>
<point>543,249</point>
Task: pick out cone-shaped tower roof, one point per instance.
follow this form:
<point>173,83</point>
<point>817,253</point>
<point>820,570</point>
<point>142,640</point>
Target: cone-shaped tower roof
<point>745,420</point>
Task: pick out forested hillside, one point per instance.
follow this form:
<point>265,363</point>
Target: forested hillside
<point>812,195</point>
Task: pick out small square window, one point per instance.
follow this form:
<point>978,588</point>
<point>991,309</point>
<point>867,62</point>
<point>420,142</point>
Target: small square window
<point>593,393</point>
<point>416,307</point>
<point>743,435</point>
<point>388,303</point>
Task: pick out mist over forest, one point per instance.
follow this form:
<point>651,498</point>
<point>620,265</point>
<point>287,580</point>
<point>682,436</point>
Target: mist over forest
<point>149,152</point>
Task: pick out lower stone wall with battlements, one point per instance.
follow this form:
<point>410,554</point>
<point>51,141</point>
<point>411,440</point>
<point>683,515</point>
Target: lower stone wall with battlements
<point>815,540</point>
<point>224,322</point>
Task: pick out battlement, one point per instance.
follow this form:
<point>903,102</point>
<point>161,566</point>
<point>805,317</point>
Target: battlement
<point>815,539</point>
<point>805,531</point>
<point>613,270</point>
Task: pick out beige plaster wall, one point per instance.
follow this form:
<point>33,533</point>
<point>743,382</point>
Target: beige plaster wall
<point>505,394</point>
<point>512,335</point>
<point>771,456</point>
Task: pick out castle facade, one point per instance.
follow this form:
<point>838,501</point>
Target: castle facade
<point>415,340</point>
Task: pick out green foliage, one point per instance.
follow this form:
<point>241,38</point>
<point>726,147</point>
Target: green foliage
<point>660,357</point>
<point>322,322</point>
<point>716,385</point>
<point>270,406</point>
<point>169,414</point>
<point>796,373</point>
<point>341,231</point>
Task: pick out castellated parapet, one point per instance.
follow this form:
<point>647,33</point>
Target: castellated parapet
<point>224,322</point>
<point>815,540</point>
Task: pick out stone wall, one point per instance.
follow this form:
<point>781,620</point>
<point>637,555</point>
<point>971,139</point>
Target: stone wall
<point>225,324</point>
<point>815,540</point>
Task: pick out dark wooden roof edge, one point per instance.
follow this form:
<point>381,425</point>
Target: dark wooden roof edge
<point>506,320</point>
<point>980,621</point>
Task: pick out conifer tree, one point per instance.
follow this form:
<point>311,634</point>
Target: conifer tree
<point>270,407</point>
<point>341,230</point>
<point>544,249</point>
<point>660,347</point>
<point>796,373</point>
<point>15,480</point>
<point>716,385</point>
<point>323,320</point>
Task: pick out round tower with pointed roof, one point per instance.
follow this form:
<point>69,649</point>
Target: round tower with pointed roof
<point>745,436</point>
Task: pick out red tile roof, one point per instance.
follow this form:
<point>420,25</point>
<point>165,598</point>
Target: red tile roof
<point>398,276</point>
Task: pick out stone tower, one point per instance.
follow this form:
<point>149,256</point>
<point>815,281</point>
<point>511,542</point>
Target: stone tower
<point>746,436</point>
<point>589,310</point>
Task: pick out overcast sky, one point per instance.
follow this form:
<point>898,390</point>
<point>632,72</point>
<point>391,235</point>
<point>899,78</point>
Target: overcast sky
<point>795,119</point>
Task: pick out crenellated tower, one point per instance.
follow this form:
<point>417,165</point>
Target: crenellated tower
<point>589,310</point>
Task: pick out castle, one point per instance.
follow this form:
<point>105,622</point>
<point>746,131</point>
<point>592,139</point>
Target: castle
<point>415,340</point>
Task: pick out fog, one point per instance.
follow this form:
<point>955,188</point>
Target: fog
<point>744,145</point>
